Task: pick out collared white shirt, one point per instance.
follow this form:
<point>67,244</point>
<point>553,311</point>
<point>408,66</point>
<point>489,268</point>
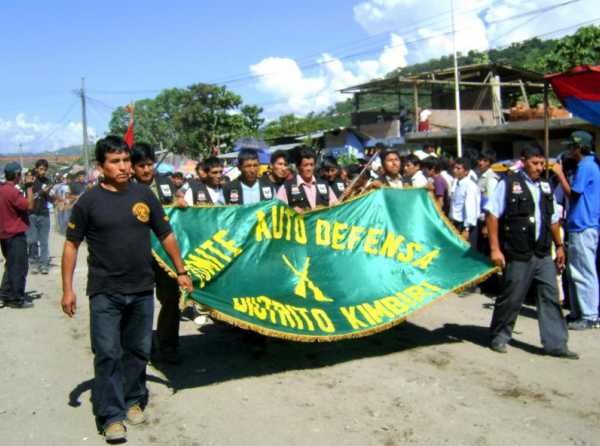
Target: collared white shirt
<point>418,179</point>
<point>487,183</point>
<point>465,202</point>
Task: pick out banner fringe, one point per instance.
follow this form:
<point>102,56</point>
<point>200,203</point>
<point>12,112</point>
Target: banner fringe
<point>184,297</point>
<point>334,338</point>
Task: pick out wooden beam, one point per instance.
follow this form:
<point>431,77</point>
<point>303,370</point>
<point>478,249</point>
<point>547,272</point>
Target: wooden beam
<point>524,93</point>
<point>416,105</point>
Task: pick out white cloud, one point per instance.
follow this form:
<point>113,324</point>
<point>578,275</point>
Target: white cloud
<point>419,30</point>
<point>37,136</point>
<point>295,92</point>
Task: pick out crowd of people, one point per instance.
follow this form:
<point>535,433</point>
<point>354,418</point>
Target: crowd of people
<point>532,225</point>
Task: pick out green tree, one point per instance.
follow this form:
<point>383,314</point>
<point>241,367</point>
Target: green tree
<point>190,120</point>
<point>582,48</point>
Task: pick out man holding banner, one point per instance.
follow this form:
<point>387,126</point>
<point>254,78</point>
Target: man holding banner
<point>166,347</point>
<point>522,222</point>
<point>116,219</point>
<point>304,191</point>
<point>248,188</point>
<point>208,190</point>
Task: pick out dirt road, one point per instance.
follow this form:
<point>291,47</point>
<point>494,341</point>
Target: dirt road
<point>430,381</point>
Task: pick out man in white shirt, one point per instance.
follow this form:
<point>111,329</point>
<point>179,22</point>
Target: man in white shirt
<point>465,202</point>
<point>412,172</point>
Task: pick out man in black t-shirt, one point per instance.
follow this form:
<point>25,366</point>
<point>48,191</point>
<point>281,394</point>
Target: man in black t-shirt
<point>39,219</point>
<point>115,218</point>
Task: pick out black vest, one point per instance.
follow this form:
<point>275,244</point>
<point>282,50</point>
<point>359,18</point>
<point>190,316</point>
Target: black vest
<point>337,186</point>
<point>517,225</point>
<point>297,198</point>
<point>200,193</point>
<point>234,193</point>
<point>164,189</point>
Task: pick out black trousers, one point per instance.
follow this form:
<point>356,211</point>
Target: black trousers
<point>167,293</point>
<point>518,277</point>
<point>14,251</point>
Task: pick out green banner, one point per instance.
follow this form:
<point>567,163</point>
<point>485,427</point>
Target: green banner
<point>347,271</point>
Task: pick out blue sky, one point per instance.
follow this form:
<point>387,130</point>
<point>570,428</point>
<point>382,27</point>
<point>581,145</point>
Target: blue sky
<point>141,47</point>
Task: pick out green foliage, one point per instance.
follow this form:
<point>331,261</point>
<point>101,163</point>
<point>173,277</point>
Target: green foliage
<point>582,48</point>
<point>194,119</point>
<point>191,120</point>
<point>286,125</point>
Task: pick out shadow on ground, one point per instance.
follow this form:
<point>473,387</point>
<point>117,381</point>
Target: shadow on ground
<point>224,353</point>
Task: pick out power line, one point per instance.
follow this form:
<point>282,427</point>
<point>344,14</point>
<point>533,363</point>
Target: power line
<point>372,49</point>
<point>56,128</point>
<point>577,25</point>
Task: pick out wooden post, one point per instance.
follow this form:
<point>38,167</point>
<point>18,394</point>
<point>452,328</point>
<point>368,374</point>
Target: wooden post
<point>546,129</point>
<point>524,93</point>
<point>416,105</point>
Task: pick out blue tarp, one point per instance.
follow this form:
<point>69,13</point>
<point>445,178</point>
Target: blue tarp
<point>353,146</point>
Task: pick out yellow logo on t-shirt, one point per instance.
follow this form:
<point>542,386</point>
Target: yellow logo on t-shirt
<point>71,225</point>
<point>141,212</point>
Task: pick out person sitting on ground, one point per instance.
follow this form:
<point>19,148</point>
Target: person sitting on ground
<point>304,191</point>
<point>248,188</point>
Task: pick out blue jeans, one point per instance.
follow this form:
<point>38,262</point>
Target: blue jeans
<point>121,334</point>
<point>38,233</point>
<point>582,268</point>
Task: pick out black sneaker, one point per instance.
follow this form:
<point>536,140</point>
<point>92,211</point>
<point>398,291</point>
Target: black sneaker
<point>566,354</point>
<point>498,346</point>
<point>19,304</point>
<point>581,324</point>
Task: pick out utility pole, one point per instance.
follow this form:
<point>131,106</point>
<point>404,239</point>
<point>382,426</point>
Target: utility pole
<point>21,155</point>
<point>84,125</point>
<point>456,90</point>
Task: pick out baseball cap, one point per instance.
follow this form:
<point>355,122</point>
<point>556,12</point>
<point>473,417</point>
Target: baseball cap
<point>579,138</point>
<point>12,167</point>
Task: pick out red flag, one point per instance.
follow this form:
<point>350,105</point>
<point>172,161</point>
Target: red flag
<point>579,91</point>
<point>128,137</point>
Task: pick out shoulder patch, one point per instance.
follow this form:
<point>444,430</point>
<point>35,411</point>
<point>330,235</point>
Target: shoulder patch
<point>516,188</point>
<point>267,193</point>
<point>165,189</point>
<point>141,212</point>
<point>545,186</point>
